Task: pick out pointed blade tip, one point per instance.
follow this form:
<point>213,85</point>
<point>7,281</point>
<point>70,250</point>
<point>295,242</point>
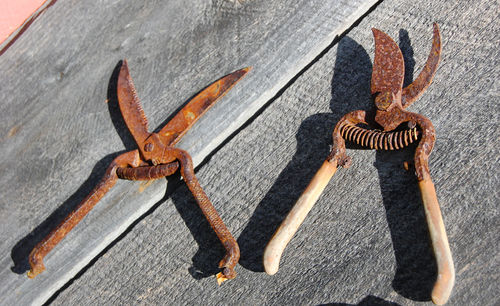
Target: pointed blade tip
<point>376,32</point>
<point>242,72</point>
<point>124,71</point>
<point>124,63</point>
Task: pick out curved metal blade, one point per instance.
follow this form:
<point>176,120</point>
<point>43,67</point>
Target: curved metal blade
<point>173,131</point>
<point>130,106</point>
<point>388,65</point>
<point>413,91</point>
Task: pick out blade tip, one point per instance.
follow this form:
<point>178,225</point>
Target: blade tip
<point>435,28</point>
<point>245,70</point>
<point>241,73</point>
<point>124,68</point>
<point>375,31</point>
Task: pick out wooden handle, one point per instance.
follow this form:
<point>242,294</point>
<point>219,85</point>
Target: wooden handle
<point>294,219</point>
<point>446,272</point>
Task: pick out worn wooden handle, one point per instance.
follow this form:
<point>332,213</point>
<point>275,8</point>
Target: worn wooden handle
<point>446,272</point>
<point>294,219</point>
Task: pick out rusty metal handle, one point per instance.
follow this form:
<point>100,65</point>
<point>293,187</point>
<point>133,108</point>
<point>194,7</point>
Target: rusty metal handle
<point>53,238</point>
<point>292,222</point>
<point>232,256</point>
<point>446,272</point>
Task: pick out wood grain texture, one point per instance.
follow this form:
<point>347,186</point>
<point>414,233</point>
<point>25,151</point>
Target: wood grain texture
<point>365,242</point>
<point>59,134</point>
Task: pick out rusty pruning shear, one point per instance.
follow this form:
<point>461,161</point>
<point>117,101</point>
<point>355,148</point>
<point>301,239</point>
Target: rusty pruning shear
<point>391,100</point>
<point>156,157</point>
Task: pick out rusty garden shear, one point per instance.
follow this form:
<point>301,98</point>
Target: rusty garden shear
<point>156,157</point>
<point>391,100</point>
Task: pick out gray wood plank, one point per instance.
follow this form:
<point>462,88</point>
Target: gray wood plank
<point>365,240</point>
<point>59,134</point>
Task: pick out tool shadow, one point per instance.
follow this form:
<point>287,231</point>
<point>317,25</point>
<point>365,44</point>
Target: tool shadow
<point>369,300</point>
<point>415,265</point>
<point>314,139</point>
<point>23,247</point>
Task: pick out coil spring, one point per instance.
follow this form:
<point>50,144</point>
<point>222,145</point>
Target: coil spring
<point>148,172</point>
<point>379,140</point>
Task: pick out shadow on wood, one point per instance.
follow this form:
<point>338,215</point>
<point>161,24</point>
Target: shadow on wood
<point>370,300</point>
<point>407,50</point>
<point>313,139</point>
<point>313,146</point>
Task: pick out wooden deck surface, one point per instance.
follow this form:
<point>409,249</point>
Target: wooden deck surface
<point>365,242</point>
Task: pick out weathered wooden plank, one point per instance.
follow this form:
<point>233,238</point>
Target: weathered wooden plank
<point>56,127</point>
<point>365,240</point>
